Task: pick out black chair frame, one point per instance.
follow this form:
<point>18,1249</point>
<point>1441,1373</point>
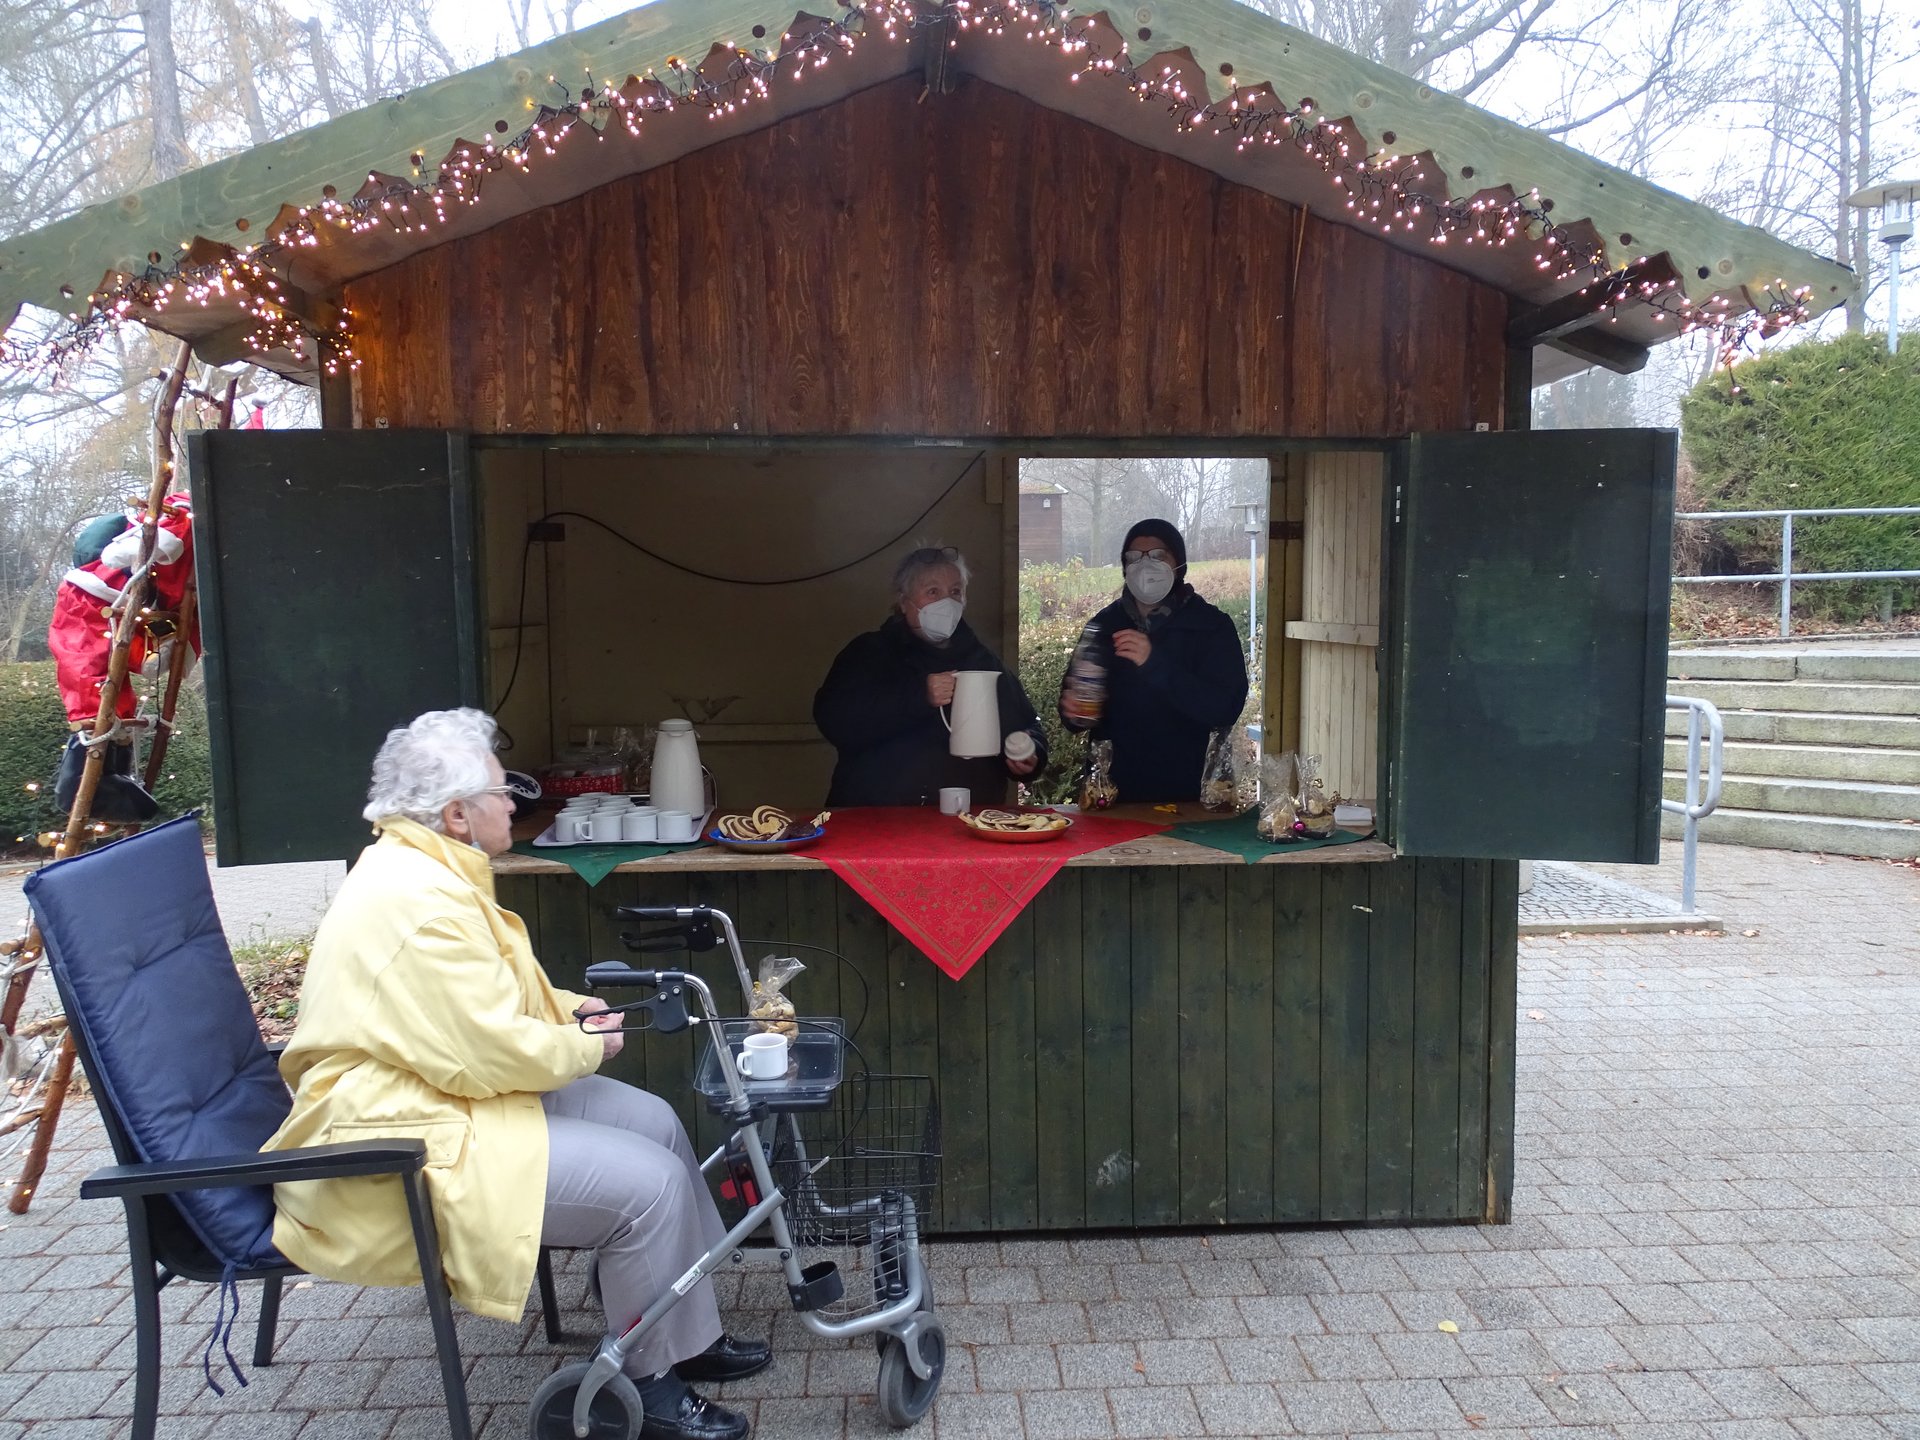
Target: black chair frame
<point>163,1247</point>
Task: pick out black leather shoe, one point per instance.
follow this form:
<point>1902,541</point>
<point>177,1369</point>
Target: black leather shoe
<point>695,1418</point>
<point>726,1359</point>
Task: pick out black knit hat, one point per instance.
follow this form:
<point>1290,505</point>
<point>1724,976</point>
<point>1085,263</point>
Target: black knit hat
<point>1169,533</point>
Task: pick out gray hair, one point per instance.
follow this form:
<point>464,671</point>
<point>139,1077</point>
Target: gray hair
<point>423,766</point>
<point>928,557</point>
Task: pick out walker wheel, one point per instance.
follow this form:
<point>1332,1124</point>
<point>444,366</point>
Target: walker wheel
<point>904,1397</point>
<point>615,1414</point>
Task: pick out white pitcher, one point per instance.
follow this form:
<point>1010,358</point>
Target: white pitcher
<point>678,781</point>
<point>976,714</point>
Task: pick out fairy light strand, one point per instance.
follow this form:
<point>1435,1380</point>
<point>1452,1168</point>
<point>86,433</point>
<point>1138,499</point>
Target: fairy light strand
<point>1382,191</point>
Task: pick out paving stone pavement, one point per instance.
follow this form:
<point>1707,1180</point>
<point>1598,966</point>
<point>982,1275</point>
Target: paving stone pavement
<point>1715,1236</point>
<point>1565,895</point>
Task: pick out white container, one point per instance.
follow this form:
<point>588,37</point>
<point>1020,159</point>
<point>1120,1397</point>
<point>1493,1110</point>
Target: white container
<point>678,783</point>
<point>976,714</point>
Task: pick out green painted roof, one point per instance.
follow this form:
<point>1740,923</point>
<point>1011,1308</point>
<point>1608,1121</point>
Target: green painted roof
<point>235,201</point>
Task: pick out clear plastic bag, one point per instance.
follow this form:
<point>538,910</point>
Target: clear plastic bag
<point>1220,782</point>
<point>1097,790</point>
<point>771,1005</point>
<point>1314,804</point>
<point>1279,808</point>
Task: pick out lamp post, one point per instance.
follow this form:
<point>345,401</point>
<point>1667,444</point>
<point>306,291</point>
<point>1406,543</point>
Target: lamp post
<point>1895,202</point>
<point>1251,525</point>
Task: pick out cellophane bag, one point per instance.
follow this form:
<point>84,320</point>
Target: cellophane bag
<point>1097,790</point>
<point>1279,808</point>
<point>1312,800</point>
<point>1217,791</point>
<point>771,1006</point>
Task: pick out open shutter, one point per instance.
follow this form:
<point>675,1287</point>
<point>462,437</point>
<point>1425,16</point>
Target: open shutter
<point>1526,656</point>
<point>339,598</point>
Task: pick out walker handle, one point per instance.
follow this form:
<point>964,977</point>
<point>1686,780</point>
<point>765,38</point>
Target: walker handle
<point>612,975</point>
<point>660,912</point>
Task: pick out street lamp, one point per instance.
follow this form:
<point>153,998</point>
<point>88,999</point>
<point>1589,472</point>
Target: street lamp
<point>1251,525</point>
<point>1895,202</point>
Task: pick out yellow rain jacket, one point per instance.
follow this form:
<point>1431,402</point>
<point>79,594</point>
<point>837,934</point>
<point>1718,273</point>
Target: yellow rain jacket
<point>425,1014</point>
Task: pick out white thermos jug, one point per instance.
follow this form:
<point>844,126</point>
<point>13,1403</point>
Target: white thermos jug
<point>976,714</point>
<point>678,783</point>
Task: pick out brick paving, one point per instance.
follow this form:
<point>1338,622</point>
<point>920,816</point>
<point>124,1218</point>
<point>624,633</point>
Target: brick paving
<point>1716,1231</point>
<point>1574,897</point>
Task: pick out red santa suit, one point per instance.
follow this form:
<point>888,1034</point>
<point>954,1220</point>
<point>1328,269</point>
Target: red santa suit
<point>81,635</point>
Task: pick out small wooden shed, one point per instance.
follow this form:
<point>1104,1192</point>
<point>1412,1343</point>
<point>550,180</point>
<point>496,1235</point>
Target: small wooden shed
<point>638,350</point>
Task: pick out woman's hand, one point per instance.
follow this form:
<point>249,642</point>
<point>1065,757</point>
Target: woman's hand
<point>940,688</point>
<point>1132,645</point>
<point>1024,766</point>
<point>594,1017</point>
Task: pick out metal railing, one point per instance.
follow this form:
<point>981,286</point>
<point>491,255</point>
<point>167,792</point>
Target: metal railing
<point>1696,806</point>
<point>1786,577</point>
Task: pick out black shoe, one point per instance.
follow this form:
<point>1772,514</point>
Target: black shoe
<point>119,800</point>
<point>726,1359</point>
<point>693,1418</point>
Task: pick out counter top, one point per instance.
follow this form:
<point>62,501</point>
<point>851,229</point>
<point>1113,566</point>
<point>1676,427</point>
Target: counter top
<point>1150,850</point>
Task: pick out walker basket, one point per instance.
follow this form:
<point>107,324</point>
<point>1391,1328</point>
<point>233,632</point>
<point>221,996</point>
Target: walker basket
<point>861,1175</point>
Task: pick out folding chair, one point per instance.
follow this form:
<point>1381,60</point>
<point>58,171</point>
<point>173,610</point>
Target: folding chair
<point>189,1093</point>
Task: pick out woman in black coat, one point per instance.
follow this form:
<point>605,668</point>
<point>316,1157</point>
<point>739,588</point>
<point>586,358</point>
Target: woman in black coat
<point>882,701</point>
<point>1174,668</point>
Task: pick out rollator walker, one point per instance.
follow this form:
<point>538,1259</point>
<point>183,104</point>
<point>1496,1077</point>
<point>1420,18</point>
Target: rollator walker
<point>823,1160</point>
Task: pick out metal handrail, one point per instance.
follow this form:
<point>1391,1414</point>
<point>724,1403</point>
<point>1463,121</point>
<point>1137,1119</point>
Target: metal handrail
<point>1696,807</point>
<point>1786,577</point>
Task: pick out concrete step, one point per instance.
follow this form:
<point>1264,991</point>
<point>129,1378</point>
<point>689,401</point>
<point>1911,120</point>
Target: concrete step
<point>1833,697</point>
<point>1806,762</point>
<point>1818,798</point>
<point>1878,839</point>
<point>1809,727</point>
<point>1857,666</point>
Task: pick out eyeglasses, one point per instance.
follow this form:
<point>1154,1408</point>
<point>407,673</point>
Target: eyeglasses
<point>1165,557</point>
<point>928,554</point>
<point>496,790</point>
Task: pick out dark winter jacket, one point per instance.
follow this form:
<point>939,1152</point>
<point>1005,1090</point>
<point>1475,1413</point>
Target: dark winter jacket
<point>1159,715</point>
<point>893,744</point>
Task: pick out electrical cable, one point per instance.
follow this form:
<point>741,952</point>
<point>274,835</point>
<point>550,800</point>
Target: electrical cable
<point>526,552</point>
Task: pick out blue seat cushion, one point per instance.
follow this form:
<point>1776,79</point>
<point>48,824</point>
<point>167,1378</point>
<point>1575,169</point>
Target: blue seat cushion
<point>136,946</point>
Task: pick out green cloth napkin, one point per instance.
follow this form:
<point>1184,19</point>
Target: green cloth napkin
<point>593,863</point>
<point>1238,837</point>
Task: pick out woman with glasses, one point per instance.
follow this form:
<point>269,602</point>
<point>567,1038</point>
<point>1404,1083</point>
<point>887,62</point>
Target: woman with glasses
<point>425,1015</point>
<point>1175,671</point>
<point>880,706</point>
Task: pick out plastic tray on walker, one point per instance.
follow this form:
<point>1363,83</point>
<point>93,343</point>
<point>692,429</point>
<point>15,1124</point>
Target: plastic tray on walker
<point>816,1060</point>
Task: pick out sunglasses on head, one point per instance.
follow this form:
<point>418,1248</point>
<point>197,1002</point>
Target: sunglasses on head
<point>927,554</point>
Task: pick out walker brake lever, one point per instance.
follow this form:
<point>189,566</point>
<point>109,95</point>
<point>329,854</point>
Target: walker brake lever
<point>654,941</point>
<point>695,932</point>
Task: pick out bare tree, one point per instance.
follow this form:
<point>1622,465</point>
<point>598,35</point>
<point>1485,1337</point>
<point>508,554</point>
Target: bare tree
<point>166,124</point>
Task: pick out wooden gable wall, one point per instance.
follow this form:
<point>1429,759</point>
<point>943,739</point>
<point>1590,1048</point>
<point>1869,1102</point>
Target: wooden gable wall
<point>964,265</point>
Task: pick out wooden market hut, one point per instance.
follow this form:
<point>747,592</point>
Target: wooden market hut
<point>762,292</point>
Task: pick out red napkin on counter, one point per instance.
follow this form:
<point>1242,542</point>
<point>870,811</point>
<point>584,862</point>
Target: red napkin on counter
<point>948,893</point>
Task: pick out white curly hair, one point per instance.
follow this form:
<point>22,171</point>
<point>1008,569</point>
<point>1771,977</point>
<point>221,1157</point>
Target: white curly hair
<point>438,758</point>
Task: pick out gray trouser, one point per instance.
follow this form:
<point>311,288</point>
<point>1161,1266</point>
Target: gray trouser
<point>622,1180</point>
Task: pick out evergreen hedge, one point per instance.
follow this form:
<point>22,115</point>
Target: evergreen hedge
<point>33,730</point>
<point>1826,423</point>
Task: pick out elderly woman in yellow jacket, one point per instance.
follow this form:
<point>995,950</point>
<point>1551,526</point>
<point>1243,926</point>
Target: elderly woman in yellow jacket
<point>425,1014</point>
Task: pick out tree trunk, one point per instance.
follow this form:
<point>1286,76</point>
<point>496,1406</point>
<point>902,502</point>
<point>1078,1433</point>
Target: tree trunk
<point>240,62</point>
<point>163,89</point>
<point>322,66</point>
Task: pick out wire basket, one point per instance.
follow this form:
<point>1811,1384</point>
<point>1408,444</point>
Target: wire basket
<point>860,1178</point>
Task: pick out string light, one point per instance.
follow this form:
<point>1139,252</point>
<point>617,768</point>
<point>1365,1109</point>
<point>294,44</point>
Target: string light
<point>1385,191</point>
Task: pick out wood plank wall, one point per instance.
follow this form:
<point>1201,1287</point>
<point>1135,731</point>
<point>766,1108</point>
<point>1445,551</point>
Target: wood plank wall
<point>972,266</point>
<point>1340,625</point>
<point>1192,1045</point>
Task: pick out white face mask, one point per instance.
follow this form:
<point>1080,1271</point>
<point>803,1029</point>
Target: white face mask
<point>1150,580</point>
<point>939,620</point>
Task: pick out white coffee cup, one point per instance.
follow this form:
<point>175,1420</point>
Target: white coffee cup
<point>674,826</point>
<point>566,827</point>
<point>576,803</point>
<point>764,1056</point>
<point>602,827</point>
<point>955,799</point>
<point>639,824</point>
<point>613,802</point>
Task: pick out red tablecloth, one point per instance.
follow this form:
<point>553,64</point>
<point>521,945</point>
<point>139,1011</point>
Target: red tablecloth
<point>950,894</point>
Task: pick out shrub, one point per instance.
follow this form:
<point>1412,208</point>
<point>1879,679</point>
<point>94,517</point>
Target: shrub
<point>33,730</point>
<point>1833,423</point>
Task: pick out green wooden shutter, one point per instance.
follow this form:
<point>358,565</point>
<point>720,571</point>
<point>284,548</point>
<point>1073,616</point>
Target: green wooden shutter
<point>1524,670</point>
<point>339,597</point>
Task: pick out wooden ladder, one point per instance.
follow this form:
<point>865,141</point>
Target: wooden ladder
<point>130,613</point>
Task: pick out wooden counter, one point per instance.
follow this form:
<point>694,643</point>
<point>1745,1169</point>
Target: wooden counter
<point>1148,850</point>
<point>1161,1038</point>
